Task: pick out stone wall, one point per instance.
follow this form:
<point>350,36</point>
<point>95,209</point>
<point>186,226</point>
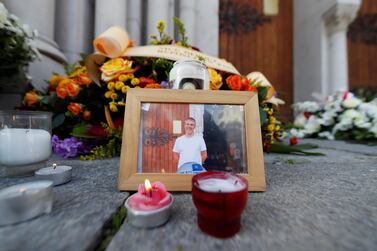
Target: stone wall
<point>320,46</point>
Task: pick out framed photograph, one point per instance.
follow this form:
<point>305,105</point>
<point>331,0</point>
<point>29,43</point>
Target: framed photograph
<point>170,135</point>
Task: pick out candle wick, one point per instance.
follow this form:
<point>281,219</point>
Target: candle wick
<point>54,166</point>
<point>150,193</point>
<point>235,183</point>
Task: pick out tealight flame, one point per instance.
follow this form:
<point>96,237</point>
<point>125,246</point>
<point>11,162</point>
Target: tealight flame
<point>162,170</point>
<point>148,187</point>
<point>54,166</point>
<point>23,191</point>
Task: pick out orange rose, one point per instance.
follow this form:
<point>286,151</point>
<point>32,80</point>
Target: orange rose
<point>74,108</point>
<point>73,89</point>
<point>143,81</point>
<point>251,88</point>
<point>84,80</point>
<point>234,82</point>
<point>31,98</point>
<point>61,92</point>
<point>86,115</point>
<point>155,86</point>
<point>64,82</point>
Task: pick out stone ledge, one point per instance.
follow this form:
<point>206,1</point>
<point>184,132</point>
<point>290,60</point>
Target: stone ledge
<point>80,210</point>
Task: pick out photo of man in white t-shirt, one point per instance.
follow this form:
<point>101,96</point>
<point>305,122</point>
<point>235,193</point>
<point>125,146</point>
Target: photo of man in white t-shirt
<point>190,148</point>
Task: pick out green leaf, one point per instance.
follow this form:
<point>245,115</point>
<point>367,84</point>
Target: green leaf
<point>262,115</point>
<point>58,120</point>
<point>262,93</point>
<point>285,149</point>
<point>45,100</point>
<point>305,146</point>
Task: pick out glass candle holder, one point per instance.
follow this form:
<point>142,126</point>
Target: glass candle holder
<point>220,199</point>
<point>25,142</point>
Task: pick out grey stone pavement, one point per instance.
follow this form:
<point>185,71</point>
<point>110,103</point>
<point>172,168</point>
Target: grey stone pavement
<point>311,203</point>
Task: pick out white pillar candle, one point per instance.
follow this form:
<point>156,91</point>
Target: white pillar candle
<point>231,184</point>
<point>24,146</point>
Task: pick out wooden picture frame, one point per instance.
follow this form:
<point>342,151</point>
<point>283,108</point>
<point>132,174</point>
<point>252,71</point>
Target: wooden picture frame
<point>129,177</point>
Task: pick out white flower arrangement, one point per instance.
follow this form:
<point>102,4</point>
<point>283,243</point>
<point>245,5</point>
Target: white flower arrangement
<point>341,116</point>
<point>16,48</point>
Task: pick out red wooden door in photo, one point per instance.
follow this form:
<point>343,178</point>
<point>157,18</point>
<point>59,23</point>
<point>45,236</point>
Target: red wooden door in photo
<point>158,137</point>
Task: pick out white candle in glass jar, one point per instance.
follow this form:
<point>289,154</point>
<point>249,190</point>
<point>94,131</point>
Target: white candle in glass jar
<point>231,184</point>
<point>20,146</point>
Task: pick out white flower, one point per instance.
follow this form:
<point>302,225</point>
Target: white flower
<point>312,126</point>
<point>327,118</point>
<point>3,15</point>
<point>297,133</point>
<point>326,134</point>
<point>307,106</point>
<point>369,109</point>
<point>362,123</point>
<point>343,125</point>
<point>333,106</point>
<point>300,120</point>
<point>373,129</point>
<point>341,112</point>
<point>351,102</point>
<point>351,114</point>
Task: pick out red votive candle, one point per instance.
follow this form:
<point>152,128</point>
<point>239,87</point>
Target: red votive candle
<point>220,198</point>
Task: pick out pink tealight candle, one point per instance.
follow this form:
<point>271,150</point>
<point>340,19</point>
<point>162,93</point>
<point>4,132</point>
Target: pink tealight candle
<point>150,206</point>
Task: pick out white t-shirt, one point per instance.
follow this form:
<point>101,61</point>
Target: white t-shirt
<point>189,149</point>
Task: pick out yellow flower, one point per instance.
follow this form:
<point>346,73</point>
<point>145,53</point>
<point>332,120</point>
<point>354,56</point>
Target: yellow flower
<point>113,107</point>
<point>119,85</point>
<point>160,26</point>
<point>78,71</point>
<point>108,94</point>
<point>272,120</point>
<point>123,77</point>
<point>215,79</point>
<point>277,128</point>
<point>270,128</point>
<point>110,85</point>
<point>125,88</point>
<point>137,87</point>
<point>114,96</point>
<point>115,67</point>
<point>121,103</point>
<point>135,81</point>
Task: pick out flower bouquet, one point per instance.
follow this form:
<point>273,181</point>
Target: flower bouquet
<point>342,116</point>
<point>16,51</point>
<point>88,102</point>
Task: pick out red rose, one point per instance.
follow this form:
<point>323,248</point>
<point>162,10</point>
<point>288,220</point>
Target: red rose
<point>74,108</point>
<point>293,141</point>
<point>234,82</point>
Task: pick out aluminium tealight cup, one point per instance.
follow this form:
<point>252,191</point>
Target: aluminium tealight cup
<point>59,176</point>
<point>25,201</point>
<point>148,219</point>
